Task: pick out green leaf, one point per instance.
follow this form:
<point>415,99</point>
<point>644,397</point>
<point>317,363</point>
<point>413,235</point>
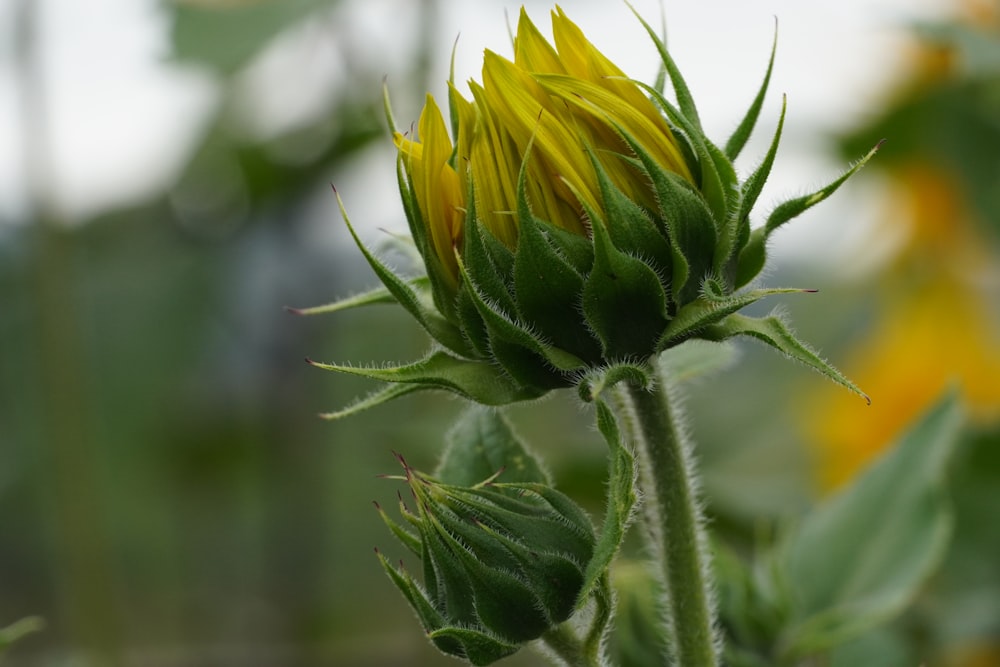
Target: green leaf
<point>477,381</point>
<point>743,131</point>
<point>432,321</point>
<point>858,559</point>
<point>17,630</point>
<point>483,442</point>
<point>620,504</point>
<point>773,331</point>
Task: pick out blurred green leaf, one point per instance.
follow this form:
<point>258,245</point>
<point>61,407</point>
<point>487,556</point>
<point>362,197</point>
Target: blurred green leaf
<point>481,443</point>
<point>226,37</point>
<point>857,560</point>
<point>18,629</point>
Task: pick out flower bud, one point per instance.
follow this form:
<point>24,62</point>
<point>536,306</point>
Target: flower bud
<point>502,563</point>
<point>574,219</point>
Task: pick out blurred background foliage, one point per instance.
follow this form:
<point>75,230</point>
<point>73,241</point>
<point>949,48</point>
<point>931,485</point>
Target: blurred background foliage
<point>168,496</point>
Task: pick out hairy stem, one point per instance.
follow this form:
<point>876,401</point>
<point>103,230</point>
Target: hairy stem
<point>564,645</point>
<point>674,521</point>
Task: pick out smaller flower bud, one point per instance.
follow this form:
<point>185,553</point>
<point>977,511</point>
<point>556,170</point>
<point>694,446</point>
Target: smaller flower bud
<point>503,562</point>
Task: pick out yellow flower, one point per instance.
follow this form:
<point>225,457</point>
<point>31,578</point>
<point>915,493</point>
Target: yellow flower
<point>555,107</point>
<point>574,223</point>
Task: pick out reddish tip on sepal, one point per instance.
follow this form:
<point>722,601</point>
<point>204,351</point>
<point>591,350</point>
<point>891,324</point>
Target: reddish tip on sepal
<point>293,311</point>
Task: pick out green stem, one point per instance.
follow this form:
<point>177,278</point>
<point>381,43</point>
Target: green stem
<point>675,524</point>
<point>563,643</point>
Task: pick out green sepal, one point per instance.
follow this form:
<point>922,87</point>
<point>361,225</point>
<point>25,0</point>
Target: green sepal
<point>569,532</point>
<point>481,443</point>
<point>742,133</point>
<point>377,296</point>
<point>692,232</point>
<point>595,382</point>
<point>479,648</point>
<point>684,98</point>
<point>548,288</point>
<point>752,188</point>
<point>439,328</point>
<point>553,576</point>
<point>378,397</point>
<point>754,253</point>
<point>710,181</point>
<point>621,501</point>
<point>472,322</point>
<point>489,264</point>
<point>623,300</point>
<point>430,617</point>
<point>504,603</point>
<point>773,331</point>
<point>478,381</point>
<point>408,539</point>
<point>577,249</point>
<point>857,560</point>
<point>507,336</point>
<point>631,228</point>
<point>707,310</point>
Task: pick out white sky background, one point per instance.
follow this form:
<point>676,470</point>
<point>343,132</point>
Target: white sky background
<point>122,119</point>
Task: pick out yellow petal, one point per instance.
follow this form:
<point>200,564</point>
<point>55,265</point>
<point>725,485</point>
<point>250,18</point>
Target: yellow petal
<point>532,52</point>
<point>436,184</point>
<point>607,107</point>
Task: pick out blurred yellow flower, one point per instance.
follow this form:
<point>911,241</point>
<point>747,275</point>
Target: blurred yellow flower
<point>940,327</point>
<point>924,343</point>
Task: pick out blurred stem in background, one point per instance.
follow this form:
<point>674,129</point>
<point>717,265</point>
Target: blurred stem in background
<point>80,566</point>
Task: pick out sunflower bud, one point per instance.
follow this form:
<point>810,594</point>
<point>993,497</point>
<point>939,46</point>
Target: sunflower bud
<point>574,219</point>
<point>502,563</point>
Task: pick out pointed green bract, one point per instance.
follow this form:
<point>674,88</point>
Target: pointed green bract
<point>376,296</point>
<point>376,398</point>
<point>548,291</point>
<point>695,316</point>
<point>736,142</point>
<point>476,380</point>
<point>681,90</point>
<point>752,187</point>
<point>754,254</point>
<point>432,321</point>
<point>773,331</point>
<point>623,301</point>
